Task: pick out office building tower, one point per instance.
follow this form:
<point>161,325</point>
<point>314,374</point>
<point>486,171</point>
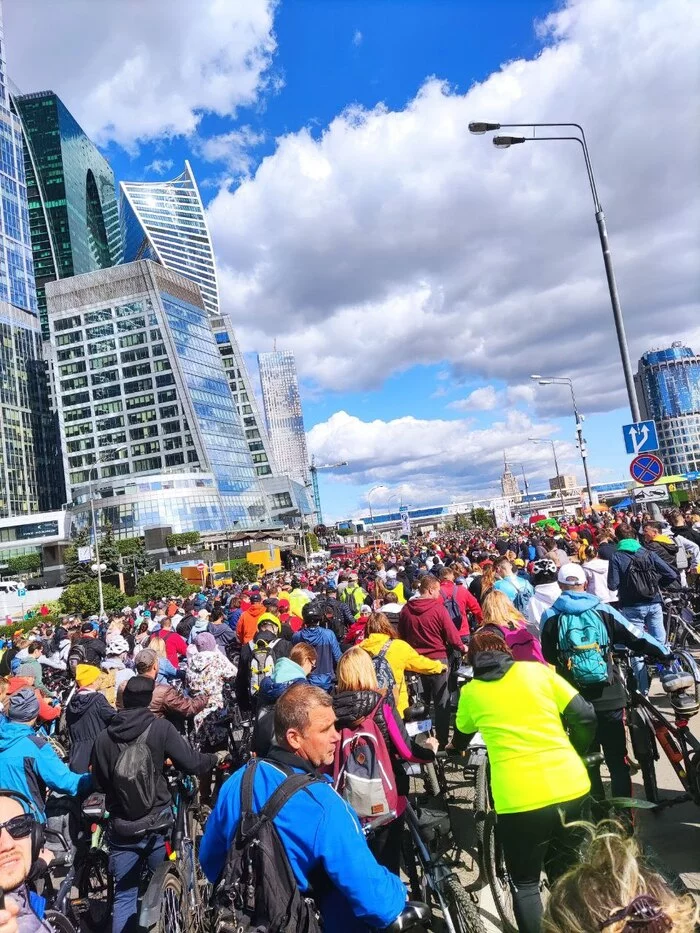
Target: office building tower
<point>24,415</point>
<point>668,391</point>
<point>509,484</point>
<point>165,221</point>
<point>73,211</point>
<point>146,413</point>
<point>285,421</point>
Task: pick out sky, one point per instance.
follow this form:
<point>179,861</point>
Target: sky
<point>419,274</point>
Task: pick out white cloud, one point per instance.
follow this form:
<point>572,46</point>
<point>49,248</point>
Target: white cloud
<point>396,238</point>
<point>486,398</point>
<point>233,149</point>
<point>357,38</point>
<point>131,70</point>
<point>159,166</point>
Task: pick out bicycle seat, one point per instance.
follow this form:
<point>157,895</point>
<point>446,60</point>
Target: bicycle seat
<point>673,681</point>
<point>594,760</point>
<point>414,914</point>
<point>415,712</point>
<point>431,822</point>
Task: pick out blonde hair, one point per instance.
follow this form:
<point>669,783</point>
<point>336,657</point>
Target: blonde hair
<point>607,879</point>
<point>158,645</point>
<point>356,671</point>
<point>499,610</point>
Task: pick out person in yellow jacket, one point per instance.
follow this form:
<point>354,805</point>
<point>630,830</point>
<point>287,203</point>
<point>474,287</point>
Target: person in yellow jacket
<point>395,586</point>
<point>298,598</point>
<point>400,656</point>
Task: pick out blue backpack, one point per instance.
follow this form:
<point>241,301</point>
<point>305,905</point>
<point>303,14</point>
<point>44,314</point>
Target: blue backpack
<point>583,647</point>
<point>523,595</point>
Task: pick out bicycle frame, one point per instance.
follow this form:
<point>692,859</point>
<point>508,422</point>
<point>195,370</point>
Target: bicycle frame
<point>434,869</point>
<point>676,622</point>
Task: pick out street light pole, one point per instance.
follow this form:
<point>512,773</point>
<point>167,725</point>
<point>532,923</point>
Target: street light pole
<point>504,142</point>
<point>369,501</point>
<point>541,440</point>
<point>564,380</point>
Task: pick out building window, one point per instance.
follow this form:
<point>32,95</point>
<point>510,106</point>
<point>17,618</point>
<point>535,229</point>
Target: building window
<point>92,317</point>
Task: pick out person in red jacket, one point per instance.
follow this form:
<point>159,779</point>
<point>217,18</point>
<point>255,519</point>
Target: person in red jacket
<point>426,625</point>
<point>175,645</point>
<point>464,599</point>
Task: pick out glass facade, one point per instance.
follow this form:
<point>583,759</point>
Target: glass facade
<point>285,421</point>
<point>72,204</point>
<point>668,390</point>
<point>143,391</point>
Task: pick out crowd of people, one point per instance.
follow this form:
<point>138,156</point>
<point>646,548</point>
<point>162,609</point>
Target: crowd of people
<point>317,661</point>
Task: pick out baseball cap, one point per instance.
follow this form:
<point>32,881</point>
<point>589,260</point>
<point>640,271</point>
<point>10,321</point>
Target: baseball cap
<point>145,660</point>
<point>283,604</point>
<point>255,598</point>
<point>86,627</point>
<point>573,574</point>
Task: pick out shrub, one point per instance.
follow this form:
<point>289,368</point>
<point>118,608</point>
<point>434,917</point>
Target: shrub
<point>163,583</point>
<point>184,539</point>
<point>84,598</point>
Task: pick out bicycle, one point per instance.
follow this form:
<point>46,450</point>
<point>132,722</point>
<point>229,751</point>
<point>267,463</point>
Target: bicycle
<point>682,624</point>
<point>650,729</point>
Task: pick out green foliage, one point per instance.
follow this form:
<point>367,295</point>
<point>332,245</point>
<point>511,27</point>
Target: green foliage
<point>133,553</point>
<point>84,598</point>
<point>163,583</point>
<point>461,522</point>
<point>184,539</point>
<point>25,563</point>
<point>312,542</point>
<point>244,572</point>
<point>483,518</point>
<point>343,532</point>
<point>77,572</point>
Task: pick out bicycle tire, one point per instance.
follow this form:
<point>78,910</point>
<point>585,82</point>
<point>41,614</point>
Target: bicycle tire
<point>95,884</point>
<point>651,788</point>
<point>481,804</point>
<point>431,780</point>
<point>58,922</point>
<point>463,911</point>
<point>172,917</point>
<point>497,875</point>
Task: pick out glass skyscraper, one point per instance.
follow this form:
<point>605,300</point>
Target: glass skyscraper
<point>285,421</point>
<point>668,390</point>
<point>24,415</point>
<point>73,210</point>
<point>165,221</point>
<point>146,411</point>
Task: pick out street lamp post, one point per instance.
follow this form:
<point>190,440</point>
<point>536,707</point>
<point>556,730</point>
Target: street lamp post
<point>98,461</point>
<point>564,380</point>
<point>369,501</point>
<point>541,440</point>
<point>505,142</point>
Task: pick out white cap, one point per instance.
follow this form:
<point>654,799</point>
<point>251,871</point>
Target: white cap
<point>573,574</point>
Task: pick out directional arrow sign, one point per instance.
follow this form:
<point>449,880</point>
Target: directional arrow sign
<point>640,437</point>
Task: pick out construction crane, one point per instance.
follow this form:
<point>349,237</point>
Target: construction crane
<point>313,469</point>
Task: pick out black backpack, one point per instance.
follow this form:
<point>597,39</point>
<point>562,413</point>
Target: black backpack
<point>258,890</point>
<point>454,612</point>
<point>641,578</point>
<point>77,655</point>
<point>134,778</point>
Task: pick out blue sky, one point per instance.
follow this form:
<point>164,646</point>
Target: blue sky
<point>406,263</point>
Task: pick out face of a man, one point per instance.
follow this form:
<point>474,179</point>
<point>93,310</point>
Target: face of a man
<point>649,532</point>
<point>317,743</point>
<point>15,854</point>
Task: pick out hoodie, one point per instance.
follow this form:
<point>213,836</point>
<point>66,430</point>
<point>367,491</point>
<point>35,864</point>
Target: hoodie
<point>545,595</point>
<point>665,547</point>
<point>87,715</point>
<point>284,674</point>
<point>326,645</point>
<point>248,623</point>
<point>401,657</point>
<point>426,625</point>
<point>596,571</point>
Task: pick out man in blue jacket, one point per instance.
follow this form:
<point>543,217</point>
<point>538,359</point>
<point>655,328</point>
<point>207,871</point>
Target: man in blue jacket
<point>319,831</point>
<point>323,639</point>
<point>27,761</point>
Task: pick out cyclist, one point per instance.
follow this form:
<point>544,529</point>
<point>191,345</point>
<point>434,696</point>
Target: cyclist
<point>18,855</point>
<point>546,592</point>
<point>608,695</point>
<point>500,612</point>
<point>138,841</point>
<point>536,773</point>
<point>167,702</point>
<point>320,833</point>
<point>267,642</point>
<point>87,715</point>
<point>322,639</point>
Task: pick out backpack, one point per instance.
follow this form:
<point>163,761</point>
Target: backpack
<point>641,577</point>
<point>682,562</point>
<point>454,612</point>
<point>350,600</point>
<point>134,778</point>
<point>583,644</point>
<point>522,598</point>
<point>77,655</point>
<point>382,668</point>
<point>258,890</point>
<point>261,664</point>
<point>362,772</point>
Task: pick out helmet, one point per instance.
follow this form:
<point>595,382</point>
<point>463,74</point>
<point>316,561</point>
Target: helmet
<point>312,613</point>
<point>545,565</point>
<point>117,645</point>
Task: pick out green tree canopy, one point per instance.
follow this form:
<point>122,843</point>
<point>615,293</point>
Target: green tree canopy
<point>163,583</point>
<point>83,598</point>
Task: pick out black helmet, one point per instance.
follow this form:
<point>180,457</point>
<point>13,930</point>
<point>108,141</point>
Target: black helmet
<point>312,613</point>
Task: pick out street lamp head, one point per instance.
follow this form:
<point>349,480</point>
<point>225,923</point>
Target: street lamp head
<point>545,382</point>
<point>480,128</point>
<point>535,376</point>
<point>505,142</point>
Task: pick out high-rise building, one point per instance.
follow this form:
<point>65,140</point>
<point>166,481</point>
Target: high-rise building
<point>668,391</point>
<point>285,421</point>
<point>73,211</point>
<point>165,221</point>
<point>509,484</point>
<point>147,416</point>
<point>24,415</point>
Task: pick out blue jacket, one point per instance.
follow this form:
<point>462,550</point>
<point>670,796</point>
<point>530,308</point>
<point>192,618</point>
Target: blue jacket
<point>618,579</point>
<point>318,830</point>
<point>27,762</point>
<point>326,645</point>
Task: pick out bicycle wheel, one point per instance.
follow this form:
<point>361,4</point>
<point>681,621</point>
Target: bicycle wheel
<point>59,923</point>
<point>197,819</point>
<point>173,916</point>
<point>463,912</point>
<point>95,885</point>
<point>431,780</point>
<point>497,874</point>
<point>644,748</point>
<point>482,803</point>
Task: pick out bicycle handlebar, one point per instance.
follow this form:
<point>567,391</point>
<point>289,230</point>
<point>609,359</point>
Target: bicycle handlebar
<point>414,914</point>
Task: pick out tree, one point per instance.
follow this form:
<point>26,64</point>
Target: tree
<point>483,518</point>
<point>183,539</point>
<point>163,583</point>
<point>461,522</point>
<point>135,556</point>
<point>77,571</point>
<point>84,598</point>
<point>25,563</point>
<point>244,572</point>
<point>312,542</point>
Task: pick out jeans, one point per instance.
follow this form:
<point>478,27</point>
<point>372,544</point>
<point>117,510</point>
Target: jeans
<point>127,860</point>
<point>533,840</point>
<point>436,687</point>
<point>610,736</point>
<point>649,618</point>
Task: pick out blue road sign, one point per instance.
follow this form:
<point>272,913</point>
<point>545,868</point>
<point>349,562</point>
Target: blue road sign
<point>21,592</point>
<point>693,475</point>
<point>646,469</point>
<point>640,437</point>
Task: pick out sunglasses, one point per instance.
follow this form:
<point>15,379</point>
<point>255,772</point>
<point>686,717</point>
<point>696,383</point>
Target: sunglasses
<point>19,827</point>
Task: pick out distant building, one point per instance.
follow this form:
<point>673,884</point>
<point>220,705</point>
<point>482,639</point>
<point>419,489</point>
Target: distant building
<point>73,211</point>
<point>146,412</point>
<point>668,391</point>
<point>509,484</point>
<point>285,421</point>
<point>563,482</point>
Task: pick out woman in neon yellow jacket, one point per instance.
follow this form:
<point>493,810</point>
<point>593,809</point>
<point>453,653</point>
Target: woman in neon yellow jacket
<point>399,655</point>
